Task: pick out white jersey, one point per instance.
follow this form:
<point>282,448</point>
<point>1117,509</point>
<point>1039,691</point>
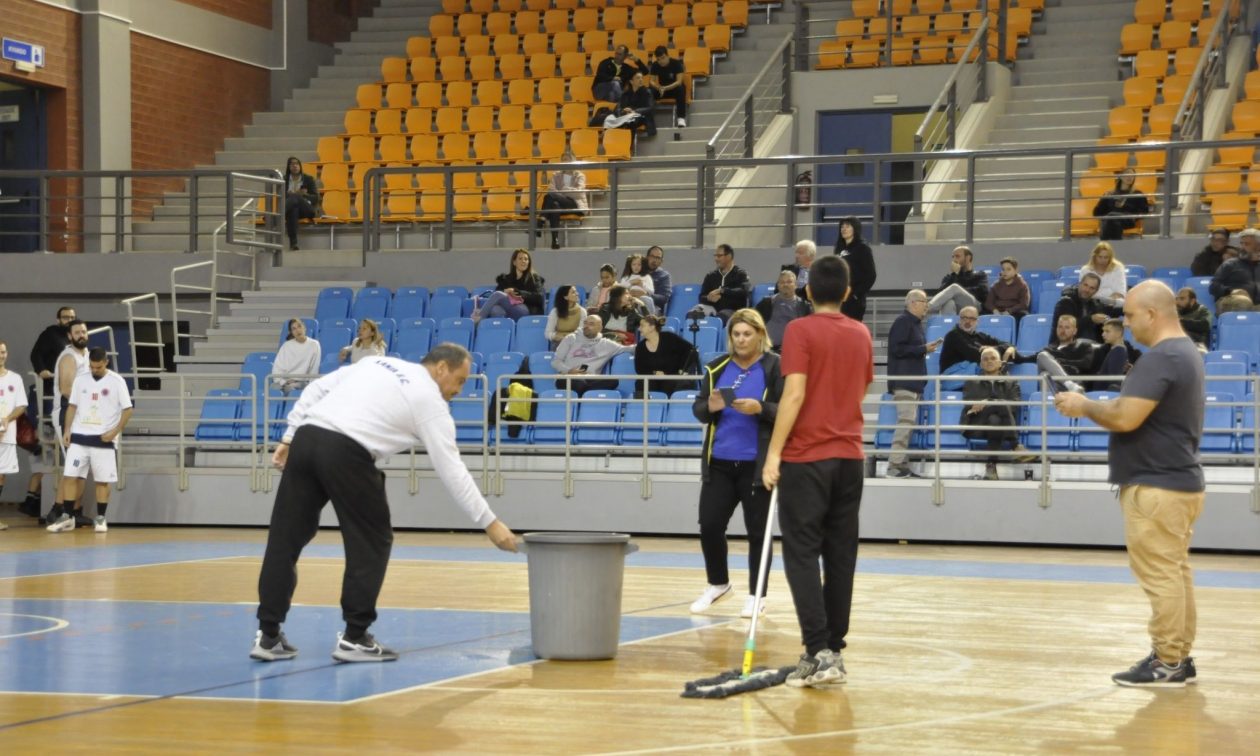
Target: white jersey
<point>12,396</point>
<point>98,403</point>
<point>388,405</point>
<point>81,368</point>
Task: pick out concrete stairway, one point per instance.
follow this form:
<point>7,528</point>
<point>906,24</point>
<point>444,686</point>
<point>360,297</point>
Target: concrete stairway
<point>659,211</point>
<point>1067,79</point>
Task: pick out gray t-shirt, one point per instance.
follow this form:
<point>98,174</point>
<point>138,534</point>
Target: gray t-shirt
<point>1164,451</point>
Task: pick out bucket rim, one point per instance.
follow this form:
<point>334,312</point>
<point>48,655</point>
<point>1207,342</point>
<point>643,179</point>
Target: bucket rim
<point>575,538</point>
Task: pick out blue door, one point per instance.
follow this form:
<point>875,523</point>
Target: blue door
<point>849,189</point>
<point>22,147</point>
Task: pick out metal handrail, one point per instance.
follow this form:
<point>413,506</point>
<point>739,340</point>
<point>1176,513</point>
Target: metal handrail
<point>949,90</point>
<point>782,57</point>
<point>156,320</point>
<point>1197,87</point>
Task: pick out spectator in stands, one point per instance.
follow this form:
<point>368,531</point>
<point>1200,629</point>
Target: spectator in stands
<point>639,99</point>
<point>1236,284</point>
<point>599,292</point>
<point>1118,208</point>
<point>51,342</point>
<point>907,353</point>
<point>805,252</point>
<point>1009,295</point>
<point>369,343</point>
<point>1090,312</point>
<point>613,74</point>
<point>857,254</point>
<point>1196,319</point>
<point>12,406</point>
<point>1110,271</point>
<point>1217,251</point>
<point>960,351</point>
<point>661,353</point>
<point>634,276</point>
<point>1076,356</point>
<point>669,83</point>
<point>989,412</point>
<point>662,282</point>
<point>566,315</point>
<point>1117,355</point>
<point>301,198</point>
<point>566,195</point>
<point>621,315</point>
<point>963,286</point>
<point>782,308</point>
<point>738,401</point>
<point>517,293</point>
<point>725,289</point>
<point>299,356</point>
<point>584,353</point>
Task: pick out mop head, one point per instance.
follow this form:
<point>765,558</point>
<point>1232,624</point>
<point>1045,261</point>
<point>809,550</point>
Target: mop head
<point>733,682</point>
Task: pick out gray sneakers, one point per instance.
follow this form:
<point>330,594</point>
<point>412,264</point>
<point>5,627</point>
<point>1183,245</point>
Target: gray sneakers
<point>366,649</point>
<point>272,648</point>
<point>824,669</point>
<point>62,523</point>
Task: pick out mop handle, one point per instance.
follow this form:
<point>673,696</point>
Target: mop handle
<point>763,570</point>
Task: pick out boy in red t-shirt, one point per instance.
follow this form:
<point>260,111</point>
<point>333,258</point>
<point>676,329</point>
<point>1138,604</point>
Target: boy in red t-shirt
<point>827,365</point>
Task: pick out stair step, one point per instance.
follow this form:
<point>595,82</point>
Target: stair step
<point>1066,90</point>
<point>1014,121</point>
<point>1030,133</point>
<point>1033,78</point>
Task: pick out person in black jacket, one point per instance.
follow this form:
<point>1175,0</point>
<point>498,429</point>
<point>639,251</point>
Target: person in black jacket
<point>1196,319</point>
<point>990,412</point>
<point>726,289</point>
<point>1211,257</point>
<point>1118,208</point>
<point>1090,311</point>
<point>1066,352</point>
<point>669,82</point>
<point>782,308</point>
<point>960,350</point>
<point>639,99</point>
<point>1236,284</point>
<point>962,287</point>
<point>301,198</point>
<point>621,315</point>
<point>804,254</point>
<point>736,438</point>
<point>518,293</point>
<point>861,266</point>
<point>662,353</point>
<point>1117,355</point>
<point>612,75</point>
<point>907,353</point>
<point>48,347</point>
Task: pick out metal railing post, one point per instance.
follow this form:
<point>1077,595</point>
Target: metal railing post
<point>45,185</point>
<point>1069,161</point>
<point>614,199</point>
<point>194,191</point>
<point>788,53</point>
<point>969,233</point>
<point>709,183</point>
<point>702,210</point>
<point>749,125</point>
<point>119,204</point>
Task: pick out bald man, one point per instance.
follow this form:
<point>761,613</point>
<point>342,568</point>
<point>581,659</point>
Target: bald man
<point>1153,454</point>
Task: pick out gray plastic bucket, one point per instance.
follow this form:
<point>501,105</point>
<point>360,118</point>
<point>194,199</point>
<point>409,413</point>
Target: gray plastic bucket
<point>575,593</point>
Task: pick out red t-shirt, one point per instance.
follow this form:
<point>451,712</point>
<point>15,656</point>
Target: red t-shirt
<point>835,355</point>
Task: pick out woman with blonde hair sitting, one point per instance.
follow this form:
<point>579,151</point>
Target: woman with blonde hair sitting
<point>1102,261</point>
<point>369,343</point>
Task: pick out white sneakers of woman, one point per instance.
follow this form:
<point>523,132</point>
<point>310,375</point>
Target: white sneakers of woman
<point>712,594</point>
<point>749,603</point>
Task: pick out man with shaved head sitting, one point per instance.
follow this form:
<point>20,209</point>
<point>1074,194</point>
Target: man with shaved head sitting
<point>1153,453</point>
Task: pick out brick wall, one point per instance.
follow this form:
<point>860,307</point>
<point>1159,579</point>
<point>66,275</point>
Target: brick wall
<point>58,31</point>
<point>184,103</point>
<point>256,12</point>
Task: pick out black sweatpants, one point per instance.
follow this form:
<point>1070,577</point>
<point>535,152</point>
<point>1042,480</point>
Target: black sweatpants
<point>295,209</point>
<point>729,485</point>
<point>818,516</point>
<point>325,466</point>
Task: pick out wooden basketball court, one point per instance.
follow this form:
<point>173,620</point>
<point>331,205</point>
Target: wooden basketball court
<point>137,641</point>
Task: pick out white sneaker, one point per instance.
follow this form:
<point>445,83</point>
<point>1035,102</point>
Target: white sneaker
<point>712,594</point>
<point>830,670</point>
<point>681,123</point>
<point>64,522</point>
<point>749,603</point>
<point>100,525</point>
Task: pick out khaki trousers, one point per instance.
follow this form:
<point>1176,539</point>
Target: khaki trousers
<point>1158,524</point>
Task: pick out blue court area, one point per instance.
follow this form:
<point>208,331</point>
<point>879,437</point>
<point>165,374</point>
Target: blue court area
<point>201,650</point>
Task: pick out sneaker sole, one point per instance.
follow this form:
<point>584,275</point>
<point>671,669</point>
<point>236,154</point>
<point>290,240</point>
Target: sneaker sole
<point>706,607</point>
<point>262,654</point>
<point>827,679</point>
<point>60,528</point>
<point>1158,684</point>
<point>352,657</point>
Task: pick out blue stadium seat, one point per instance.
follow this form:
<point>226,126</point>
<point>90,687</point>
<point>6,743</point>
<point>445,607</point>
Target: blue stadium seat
<point>714,323</point>
<point>951,414</point>
<point>252,427</point>
<point>531,334</point>
<point>312,329</point>
<point>707,339</point>
<point>683,298</point>
<point>689,432</point>
<point>1247,431</point>
<point>388,327</point>
<point>761,291</point>
<point>1239,331</point>
<point>1029,382</point>
<point>636,411</point>
<point>257,364</point>
<point>1135,269</point>
<point>1177,274</point>
<point>476,360</point>
<point>409,302</point>
<point>1001,327</point>
<point>455,330</point>
<point>1069,273</point>
<point>372,302</point>
<point>494,335</point>
<point>280,409</point>
<point>1219,426</point>
<point>1089,435</point>
<point>468,409</point>
<point>1059,428</point>
<point>451,291</point>
<point>443,306</point>
<point>331,340</point>
<point>219,412</point>
<point>707,357</point>
<point>674,323</point>
<point>888,417</point>
<point>1227,377</point>
<point>1132,279</point>
<point>350,323</point>
<point>623,364</point>
<point>540,364</point>
<point>603,408</point>
<point>329,362</point>
<point>1049,295</point>
<point>333,302</point>
<point>414,338</point>
<point>1034,276</point>
<point>1034,333</point>
<point>938,325</point>
<point>551,409</point>
<point>499,364</point>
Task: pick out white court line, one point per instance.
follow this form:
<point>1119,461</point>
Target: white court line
<point>124,567</point>
<point>58,624</point>
<point>938,721</point>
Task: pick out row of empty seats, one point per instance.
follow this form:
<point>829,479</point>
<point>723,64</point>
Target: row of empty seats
<point>925,37</point>
<point>588,18</point>
<point>427,57</point>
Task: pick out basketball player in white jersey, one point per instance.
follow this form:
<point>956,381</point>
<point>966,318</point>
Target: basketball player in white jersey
<point>100,407</point>
<point>71,365</point>
<point>12,406</point>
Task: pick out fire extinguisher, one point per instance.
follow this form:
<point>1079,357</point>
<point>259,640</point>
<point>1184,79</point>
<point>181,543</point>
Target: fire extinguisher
<point>804,189</point>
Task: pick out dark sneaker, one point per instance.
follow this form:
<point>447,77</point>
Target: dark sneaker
<point>1192,674</point>
<point>830,670</point>
<point>29,508</point>
<point>366,649</point>
<point>271,648</point>
<point>805,668</point>
<point>901,471</point>
<point>1152,673</point>
<point>82,521</point>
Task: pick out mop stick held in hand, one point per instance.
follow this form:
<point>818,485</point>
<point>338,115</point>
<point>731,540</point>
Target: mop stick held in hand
<point>763,569</point>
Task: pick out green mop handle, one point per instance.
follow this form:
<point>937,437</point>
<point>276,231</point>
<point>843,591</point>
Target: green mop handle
<point>763,570</point>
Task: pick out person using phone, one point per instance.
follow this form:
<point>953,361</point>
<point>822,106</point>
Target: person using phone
<point>907,371</point>
<point>738,401</point>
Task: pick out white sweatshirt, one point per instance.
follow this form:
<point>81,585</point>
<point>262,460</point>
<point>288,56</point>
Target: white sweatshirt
<point>297,359</point>
<point>389,405</point>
